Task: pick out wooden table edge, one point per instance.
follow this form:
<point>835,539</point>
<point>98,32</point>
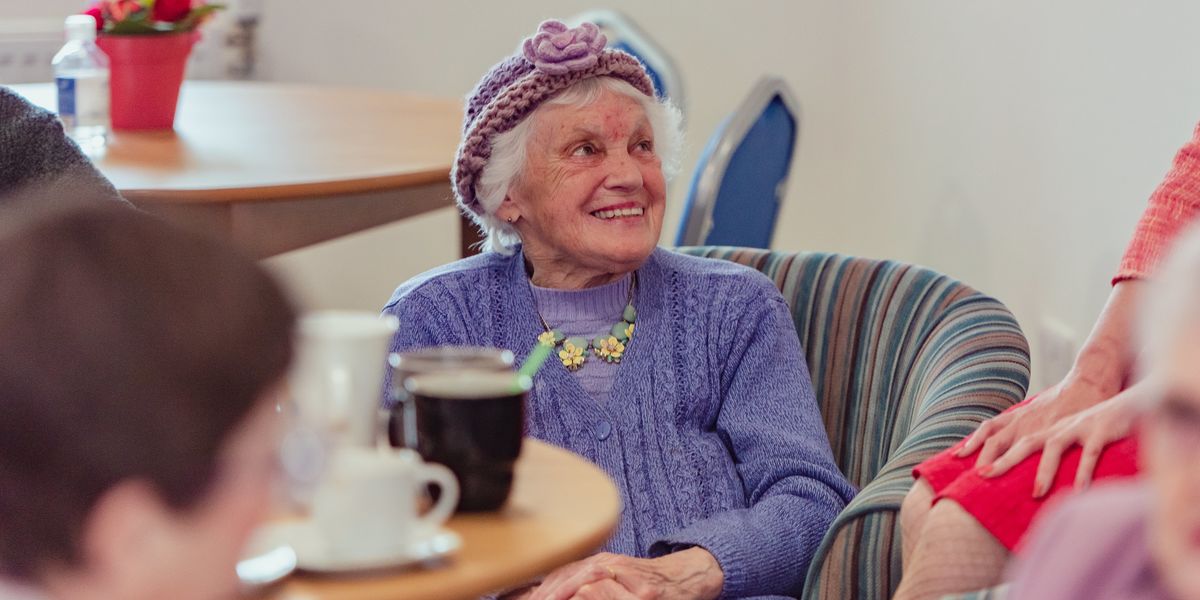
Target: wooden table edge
<point>291,191</point>
<point>586,546</point>
<point>495,582</point>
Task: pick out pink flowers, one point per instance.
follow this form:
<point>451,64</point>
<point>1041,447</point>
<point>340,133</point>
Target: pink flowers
<point>119,10</point>
<point>557,49</point>
<point>122,17</point>
<point>94,11</point>
<point>171,10</point>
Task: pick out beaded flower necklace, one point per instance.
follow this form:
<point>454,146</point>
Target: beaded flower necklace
<point>608,346</point>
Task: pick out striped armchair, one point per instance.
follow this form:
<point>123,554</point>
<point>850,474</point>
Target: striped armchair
<point>904,363</point>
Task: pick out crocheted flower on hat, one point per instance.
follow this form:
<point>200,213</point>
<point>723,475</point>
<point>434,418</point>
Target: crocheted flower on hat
<point>557,49</point>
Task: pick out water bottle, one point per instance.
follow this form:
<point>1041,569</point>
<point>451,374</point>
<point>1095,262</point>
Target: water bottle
<point>81,75</point>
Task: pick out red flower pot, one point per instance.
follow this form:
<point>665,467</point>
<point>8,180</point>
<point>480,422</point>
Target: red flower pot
<point>145,72</point>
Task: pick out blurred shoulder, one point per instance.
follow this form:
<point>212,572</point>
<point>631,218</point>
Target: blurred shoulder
<point>1119,504</point>
<point>1086,543</point>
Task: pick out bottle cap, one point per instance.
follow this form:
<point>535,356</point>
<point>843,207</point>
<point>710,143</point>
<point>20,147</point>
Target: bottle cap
<point>81,28</point>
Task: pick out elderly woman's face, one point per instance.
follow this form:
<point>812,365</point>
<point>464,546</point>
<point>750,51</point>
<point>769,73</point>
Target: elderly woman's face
<point>592,193</point>
<point>1171,454</point>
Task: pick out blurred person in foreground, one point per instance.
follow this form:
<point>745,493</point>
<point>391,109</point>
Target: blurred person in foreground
<point>139,369</point>
<point>1139,539</point>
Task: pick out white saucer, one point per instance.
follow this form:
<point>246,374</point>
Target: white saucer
<point>312,554</point>
<point>266,565</point>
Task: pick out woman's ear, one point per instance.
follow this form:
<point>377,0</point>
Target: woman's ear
<point>125,531</point>
<point>508,211</point>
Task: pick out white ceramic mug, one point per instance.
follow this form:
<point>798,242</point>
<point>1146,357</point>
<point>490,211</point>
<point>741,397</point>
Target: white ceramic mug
<point>367,507</point>
<point>337,380</point>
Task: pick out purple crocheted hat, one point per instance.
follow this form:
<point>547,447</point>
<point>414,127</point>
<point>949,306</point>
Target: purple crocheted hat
<point>555,58</point>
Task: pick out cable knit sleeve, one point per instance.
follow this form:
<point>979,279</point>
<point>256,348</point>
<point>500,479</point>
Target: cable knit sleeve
<point>1172,207</point>
<point>772,426</point>
<point>423,324</point>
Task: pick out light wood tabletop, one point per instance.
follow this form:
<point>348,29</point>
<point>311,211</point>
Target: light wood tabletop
<point>280,166</point>
<point>562,509</point>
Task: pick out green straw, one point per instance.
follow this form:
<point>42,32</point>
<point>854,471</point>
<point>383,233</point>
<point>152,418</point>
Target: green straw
<point>537,358</point>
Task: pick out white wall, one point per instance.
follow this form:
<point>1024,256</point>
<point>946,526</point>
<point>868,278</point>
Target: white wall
<point>1009,144</point>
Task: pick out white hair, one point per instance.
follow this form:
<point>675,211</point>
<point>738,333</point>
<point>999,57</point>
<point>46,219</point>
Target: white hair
<point>509,151</point>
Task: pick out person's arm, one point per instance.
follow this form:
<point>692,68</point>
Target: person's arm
<point>41,169</point>
<point>771,423</point>
<point>1100,371</point>
<point>1104,365</point>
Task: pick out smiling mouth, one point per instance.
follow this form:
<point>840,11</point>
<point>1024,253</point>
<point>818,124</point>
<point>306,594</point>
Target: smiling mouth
<point>605,215</point>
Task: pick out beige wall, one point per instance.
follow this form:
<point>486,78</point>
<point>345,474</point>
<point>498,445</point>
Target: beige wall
<point>39,9</point>
<point>1009,144</point>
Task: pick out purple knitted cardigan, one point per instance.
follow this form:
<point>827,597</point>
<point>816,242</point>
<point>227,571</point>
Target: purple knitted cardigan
<point>711,433</point>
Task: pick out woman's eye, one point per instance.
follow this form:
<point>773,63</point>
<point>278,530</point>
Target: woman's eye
<point>585,150</point>
<point>645,146</point>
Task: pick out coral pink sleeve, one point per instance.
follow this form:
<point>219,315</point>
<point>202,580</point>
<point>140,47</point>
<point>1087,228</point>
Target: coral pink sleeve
<point>1172,207</point>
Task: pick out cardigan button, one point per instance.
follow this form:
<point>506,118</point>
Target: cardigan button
<point>603,430</point>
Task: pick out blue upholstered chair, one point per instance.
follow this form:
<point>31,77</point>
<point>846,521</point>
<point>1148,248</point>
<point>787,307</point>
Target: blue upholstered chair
<point>905,362</point>
<point>742,175</point>
<point>624,34</point>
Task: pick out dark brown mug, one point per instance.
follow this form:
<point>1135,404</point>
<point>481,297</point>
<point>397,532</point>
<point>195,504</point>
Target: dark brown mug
<point>401,423</point>
<point>472,421</point>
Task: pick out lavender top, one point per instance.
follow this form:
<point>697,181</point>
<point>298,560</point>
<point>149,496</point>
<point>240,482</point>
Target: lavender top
<point>711,432</point>
<point>1092,547</point>
<point>586,313</point>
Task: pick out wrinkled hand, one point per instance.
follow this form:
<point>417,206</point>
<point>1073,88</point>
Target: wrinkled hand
<point>997,435</point>
<point>691,574</point>
<point>1092,429</point>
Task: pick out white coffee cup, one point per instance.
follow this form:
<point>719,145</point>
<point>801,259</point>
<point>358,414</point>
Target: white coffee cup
<point>367,507</point>
<point>337,379</point>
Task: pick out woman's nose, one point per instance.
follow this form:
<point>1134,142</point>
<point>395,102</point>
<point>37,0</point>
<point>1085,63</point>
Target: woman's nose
<point>623,173</point>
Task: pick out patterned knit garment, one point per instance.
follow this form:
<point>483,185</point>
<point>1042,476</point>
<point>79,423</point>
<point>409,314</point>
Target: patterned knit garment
<point>1172,207</point>
<point>711,431</point>
<point>586,313</point>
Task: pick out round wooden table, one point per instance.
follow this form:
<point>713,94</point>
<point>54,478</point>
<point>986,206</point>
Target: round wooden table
<point>281,166</point>
<point>562,509</point>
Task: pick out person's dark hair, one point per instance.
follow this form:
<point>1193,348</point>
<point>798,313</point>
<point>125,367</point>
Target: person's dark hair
<point>129,350</point>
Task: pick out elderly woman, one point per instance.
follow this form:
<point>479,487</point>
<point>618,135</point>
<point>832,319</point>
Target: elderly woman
<point>1149,545</point>
<point>681,377</point>
<point>141,367</point>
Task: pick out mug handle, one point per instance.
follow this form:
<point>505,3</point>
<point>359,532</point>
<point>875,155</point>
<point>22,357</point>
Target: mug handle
<point>447,500</point>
